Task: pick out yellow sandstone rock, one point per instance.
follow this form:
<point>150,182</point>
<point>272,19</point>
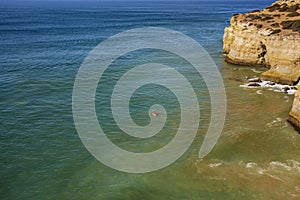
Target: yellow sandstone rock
<point>294,117</point>
<point>269,38</point>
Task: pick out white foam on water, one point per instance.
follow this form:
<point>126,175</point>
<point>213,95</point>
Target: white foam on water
<point>288,165</point>
<point>258,92</point>
<point>275,121</point>
<point>217,178</point>
<point>251,164</point>
<point>261,171</point>
<point>290,90</point>
<point>256,71</point>
<point>275,177</point>
<point>215,164</point>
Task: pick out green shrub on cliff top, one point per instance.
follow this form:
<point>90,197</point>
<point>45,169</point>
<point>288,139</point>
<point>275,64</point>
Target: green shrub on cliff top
<point>254,17</point>
<point>283,8</point>
<point>275,25</point>
<point>254,11</point>
<point>293,14</point>
<point>276,31</point>
<point>293,8</point>
<point>291,24</point>
<point>259,26</point>
<point>267,18</point>
<point>273,7</point>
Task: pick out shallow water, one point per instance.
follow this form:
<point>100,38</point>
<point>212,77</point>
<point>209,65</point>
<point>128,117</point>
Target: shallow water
<point>42,47</point>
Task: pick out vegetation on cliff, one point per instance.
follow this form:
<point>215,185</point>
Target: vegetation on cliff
<point>293,25</point>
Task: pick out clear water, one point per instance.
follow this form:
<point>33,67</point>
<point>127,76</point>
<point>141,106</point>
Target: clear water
<point>42,46</point>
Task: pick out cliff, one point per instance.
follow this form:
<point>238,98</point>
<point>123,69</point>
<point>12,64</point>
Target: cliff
<point>294,117</point>
<point>269,38</point>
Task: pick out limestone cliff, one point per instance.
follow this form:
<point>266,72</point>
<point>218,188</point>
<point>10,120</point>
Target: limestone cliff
<point>294,117</point>
<point>269,38</point>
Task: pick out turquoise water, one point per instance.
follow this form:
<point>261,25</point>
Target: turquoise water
<point>42,46</point>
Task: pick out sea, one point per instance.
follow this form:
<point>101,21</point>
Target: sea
<point>43,44</point>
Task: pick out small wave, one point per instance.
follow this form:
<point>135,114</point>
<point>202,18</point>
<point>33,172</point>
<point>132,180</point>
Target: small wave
<point>270,124</point>
<point>215,164</point>
<point>256,71</point>
<point>248,165</point>
<point>22,102</point>
<point>289,165</point>
<point>217,178</point>
<point>251,164</point>
<point>261,171</point>
<point>258,92</point>
<point>275,177</point>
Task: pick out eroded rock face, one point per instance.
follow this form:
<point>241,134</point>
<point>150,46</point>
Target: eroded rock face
<point>283,57</point>
<point>267,38</point>
<point>294,115</point>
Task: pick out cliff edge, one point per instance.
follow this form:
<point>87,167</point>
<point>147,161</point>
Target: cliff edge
<point>294,115</point>
<point>269,38</point>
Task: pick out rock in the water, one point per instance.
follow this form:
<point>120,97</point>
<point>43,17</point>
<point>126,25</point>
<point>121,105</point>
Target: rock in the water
<point>293,88</point>
<point>253,84</point>
<point>294,115</point>
<point>285,89</point>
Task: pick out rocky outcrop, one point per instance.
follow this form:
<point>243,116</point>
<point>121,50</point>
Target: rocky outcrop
<point>283,57</point>
<point>294,115</point>
<point>269,38</point>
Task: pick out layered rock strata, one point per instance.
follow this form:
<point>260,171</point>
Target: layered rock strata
<point>294,115</point>
<point>269,38</point>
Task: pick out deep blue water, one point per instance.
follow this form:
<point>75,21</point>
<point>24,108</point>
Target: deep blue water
<point>42,46</point>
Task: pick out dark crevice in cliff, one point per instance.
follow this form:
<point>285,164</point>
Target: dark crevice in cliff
<point>261,55</point>
<point>296,82</point>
